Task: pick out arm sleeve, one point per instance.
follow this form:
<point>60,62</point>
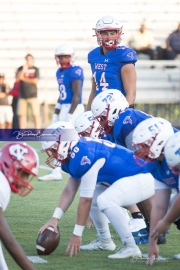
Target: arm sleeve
<point>89,179</point>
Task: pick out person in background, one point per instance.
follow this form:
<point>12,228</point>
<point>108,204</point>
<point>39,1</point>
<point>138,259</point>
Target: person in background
<point>14,177</point>
<point>15,93</point>
<point>28,76</point>
<point>70,80</point>
<point>142,42</point>
<point>173,44</point>
<point>6,113</point>
<point>112,65</point>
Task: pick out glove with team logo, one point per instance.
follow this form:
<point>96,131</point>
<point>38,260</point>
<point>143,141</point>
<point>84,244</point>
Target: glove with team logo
<point>55,118</point>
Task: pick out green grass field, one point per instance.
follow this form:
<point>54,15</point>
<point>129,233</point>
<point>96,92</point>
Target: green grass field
<point>26,215</point>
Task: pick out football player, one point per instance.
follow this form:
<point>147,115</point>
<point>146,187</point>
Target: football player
<point>149,140</point>
<point>70,80</point>
<point>121,182</point>
<point>112,65</point>
<point>112,111</point>
<point>172,156</point>
<point>18,164</point>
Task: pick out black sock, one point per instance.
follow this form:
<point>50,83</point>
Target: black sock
<point>147,225</point>
<point>137,215</point>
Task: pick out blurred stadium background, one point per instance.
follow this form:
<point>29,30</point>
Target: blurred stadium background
<point>39,26</point>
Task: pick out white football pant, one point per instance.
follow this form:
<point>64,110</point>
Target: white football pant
<point>65,110</point>
<point>124,192</point>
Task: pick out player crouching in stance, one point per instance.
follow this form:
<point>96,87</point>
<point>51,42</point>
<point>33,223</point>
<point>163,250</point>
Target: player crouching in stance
<point>172,156</point>
<point>18,162</point>
<point>121,183</point>
<point>149,139</point>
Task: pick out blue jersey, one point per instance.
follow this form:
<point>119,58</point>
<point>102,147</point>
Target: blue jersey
<point>126,123</point>
<point>65,77</point>
<point>161,172</point>
<point>106,68</point>
<point>119,161</point>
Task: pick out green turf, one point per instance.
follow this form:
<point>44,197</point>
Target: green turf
<point>26,215</point>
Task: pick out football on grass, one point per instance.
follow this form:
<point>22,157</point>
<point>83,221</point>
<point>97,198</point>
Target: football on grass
<point>48,241</point>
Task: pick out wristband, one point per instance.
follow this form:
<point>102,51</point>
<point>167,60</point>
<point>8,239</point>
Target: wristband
<point>78,230</point>
<point>58,213</point>
<point>58,106</point>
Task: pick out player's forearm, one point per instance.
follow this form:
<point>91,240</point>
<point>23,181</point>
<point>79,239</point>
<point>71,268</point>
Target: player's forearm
<point>91,97</point>
<point>74,104</point>
<point>174,211</point>
<point>19,256</point>
<point>156,215</point>
<point>68,193</point>
<point>13,247</point>
<point>83,210</point>
<point>131,96</point>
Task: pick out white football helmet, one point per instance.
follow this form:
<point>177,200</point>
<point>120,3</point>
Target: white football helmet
<point>58,150</point>
<point>86,125</point>
<point>150,137</point>
<point>104,24</point>
<point>67,50</point>
<point>106,106</point>
<point>172,153</point>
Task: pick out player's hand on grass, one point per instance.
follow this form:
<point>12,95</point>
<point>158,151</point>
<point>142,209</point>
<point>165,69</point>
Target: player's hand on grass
<point>73,247</point>
<point>53,222</point>
<point>153,253</point>
<point>161,229</point>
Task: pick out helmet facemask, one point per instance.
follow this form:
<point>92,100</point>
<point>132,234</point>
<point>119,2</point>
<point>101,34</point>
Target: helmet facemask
<point>52,152</point>
<point>109,42</point>
<point>64,61</point>
<point>105,120</point>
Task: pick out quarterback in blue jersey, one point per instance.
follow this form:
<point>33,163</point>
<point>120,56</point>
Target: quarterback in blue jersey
<point>149,139</point>
<point>121,182</point>
<point>112,65</point>
<point>70,79</point>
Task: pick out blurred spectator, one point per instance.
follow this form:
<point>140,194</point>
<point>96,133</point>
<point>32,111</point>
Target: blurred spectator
<point>173,44</point>
<point>5,108</point>
<point>28,76</point>
<point>15,93</point>
<point>142,42</point>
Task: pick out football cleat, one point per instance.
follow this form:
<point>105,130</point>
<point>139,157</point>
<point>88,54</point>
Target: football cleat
<point>126,252</point>
<point>51,177</point>
<point>99,245</point>
<point>176,257</point>
<point>137,224</point>
<point>161,240</point>
<point>142,240</point>
<point>139,233</point>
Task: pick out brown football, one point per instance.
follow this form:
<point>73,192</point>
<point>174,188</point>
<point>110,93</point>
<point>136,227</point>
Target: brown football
<point>48,241</point>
